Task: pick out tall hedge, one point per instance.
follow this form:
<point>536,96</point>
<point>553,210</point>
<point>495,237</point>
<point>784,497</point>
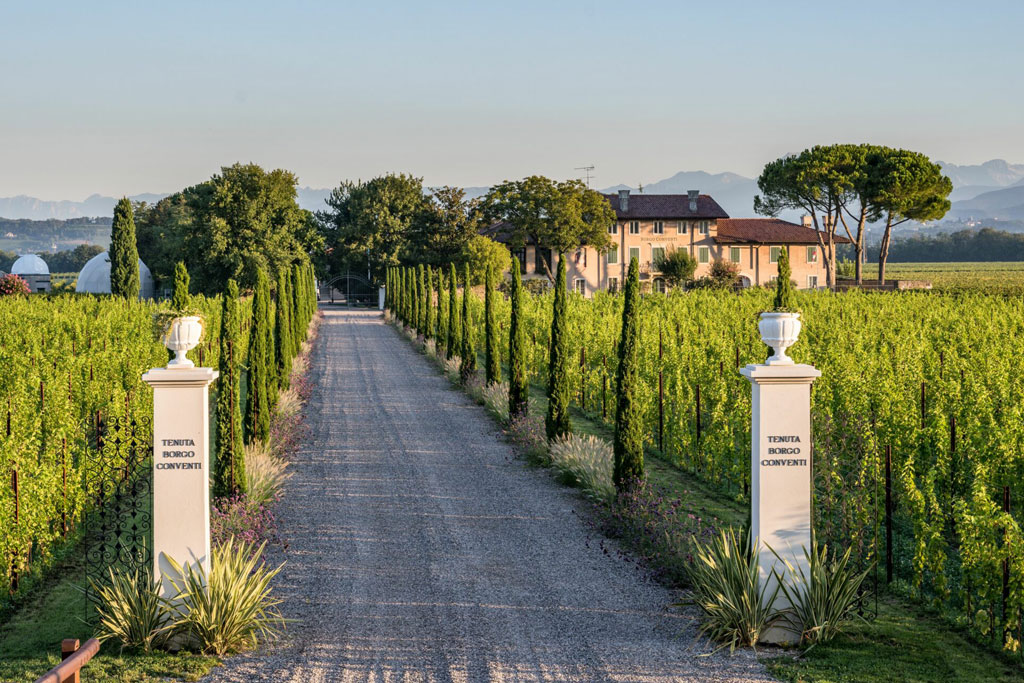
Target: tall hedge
<point>467,348</point>
<point>557,422</point>
<point>453,315</point>
<point>492,366</point>
<point>229,466</point>
<point>629,418</point>
<point>518,389</point>
<point>257,407</point>
<point>124,253</point>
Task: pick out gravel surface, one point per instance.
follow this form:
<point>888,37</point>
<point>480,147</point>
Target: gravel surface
<point>421,549</point>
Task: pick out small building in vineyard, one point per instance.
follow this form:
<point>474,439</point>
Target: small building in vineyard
<point>33,270</point>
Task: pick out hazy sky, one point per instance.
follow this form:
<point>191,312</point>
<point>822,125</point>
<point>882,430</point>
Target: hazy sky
<point>120,98</point>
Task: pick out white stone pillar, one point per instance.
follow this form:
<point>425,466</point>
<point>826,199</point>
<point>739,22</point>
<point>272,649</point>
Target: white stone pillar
<point>780,480</point>
<point>181,465</point>
<point>380,299</point>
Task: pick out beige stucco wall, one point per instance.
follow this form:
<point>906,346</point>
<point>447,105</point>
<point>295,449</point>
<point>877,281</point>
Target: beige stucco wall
<point>596,273</point>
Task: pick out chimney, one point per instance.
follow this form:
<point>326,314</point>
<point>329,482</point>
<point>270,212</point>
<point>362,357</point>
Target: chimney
<point>623,201</point>
<point>693,199</point>
<point>807,221</point>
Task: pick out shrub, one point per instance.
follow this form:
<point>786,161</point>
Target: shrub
<point>822,598</point>
<point>661,532</point>
<point>12,285</point>
<point>527,432</point>
<point>736,609</point>
<point>232,608</point>
<point>265,474</point>
<point>724,273</point>
<point>586,462</point>
<point>243,519</point>
<point>677,267</point>
<point>131,610</point>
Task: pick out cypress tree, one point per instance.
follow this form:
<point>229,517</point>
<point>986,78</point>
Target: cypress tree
<point>417,300</point>
<point>518,389</point>
<point>453,314</point>
<point>283,329</point>
<point>421,301</point>
<point>179,302</point>
<point>492,353</point>
<point>557,422</point>
<point>388,293</point>
<point>784,284</point>
<point>257,407</point>
<point>273,378</point>
<point>293,280</point>
<point>124,252</point>
<point>229,467</point>
<point>440,323</point>
<point>410,305</point>
<point>428,322</point>
<point>468,348</point>
<point>629,430</point>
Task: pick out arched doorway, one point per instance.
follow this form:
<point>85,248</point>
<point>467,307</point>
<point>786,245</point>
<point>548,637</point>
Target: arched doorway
<point>744,281</point>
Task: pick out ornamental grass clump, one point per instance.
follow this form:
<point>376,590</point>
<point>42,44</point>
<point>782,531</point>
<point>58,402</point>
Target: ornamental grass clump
<point>736,609</point>
<point>495,398</point>
<point>232,608</point>
<point>585,462</point>
<point>823,597</point>
<point>131,610</point>
<point>265,474</point>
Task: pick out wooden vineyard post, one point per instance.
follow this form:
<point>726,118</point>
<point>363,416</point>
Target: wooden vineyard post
<point>888,514</point>
<point>661,394</point>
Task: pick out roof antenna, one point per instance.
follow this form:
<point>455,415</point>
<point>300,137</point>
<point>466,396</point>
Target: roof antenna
<point>587,170</point>
<point>640,188</point>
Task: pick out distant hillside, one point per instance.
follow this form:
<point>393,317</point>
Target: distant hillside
<point>23,206</point>
<point>991,174</point>
<point>1006,204</point>
<point>733,192</point>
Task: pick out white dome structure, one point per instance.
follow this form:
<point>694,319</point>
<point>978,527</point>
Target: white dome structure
<point>30,264</point>
<point>34,271</point>
<point>95,277</point>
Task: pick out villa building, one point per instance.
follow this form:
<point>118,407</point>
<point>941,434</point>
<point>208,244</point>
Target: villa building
<point>649,226</point>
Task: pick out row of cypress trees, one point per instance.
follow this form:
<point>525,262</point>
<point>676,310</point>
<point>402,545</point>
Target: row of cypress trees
<point>273,344</point>
<point>410,296</point>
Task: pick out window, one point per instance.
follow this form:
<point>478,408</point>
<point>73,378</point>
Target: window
<point>634,227</point>
<point>657,255</point>
<point>703,227</point>
<point>613,229</point>
<point>812,282</point>
<point>542,256</point>
<point>613,254</point>
<point>683,227</point>
<point>659,227</point>
<point>773,254</point>
<point>634,253</point>
<point>703,255</point>
<point>659,285</point>
<point>734,254</point>
<point>613,284</point>
<point>812,254</point>
<point>520,254</point>
<point>579,285</point>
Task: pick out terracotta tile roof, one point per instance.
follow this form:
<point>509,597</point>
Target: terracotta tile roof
<point>767,231</point>
<point>669,206</point>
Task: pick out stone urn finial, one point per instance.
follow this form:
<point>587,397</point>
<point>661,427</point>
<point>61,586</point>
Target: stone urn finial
<point>183,336</point>
<point>780,331</point>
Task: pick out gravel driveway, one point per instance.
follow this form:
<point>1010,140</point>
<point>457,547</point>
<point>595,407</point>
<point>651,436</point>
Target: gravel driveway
<point>421,549</point>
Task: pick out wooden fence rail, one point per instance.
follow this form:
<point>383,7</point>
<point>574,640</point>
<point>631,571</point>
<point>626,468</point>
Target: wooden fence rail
<point>74,658</point>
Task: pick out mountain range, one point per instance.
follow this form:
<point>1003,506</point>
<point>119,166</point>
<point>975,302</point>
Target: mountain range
<point>992,190</point>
